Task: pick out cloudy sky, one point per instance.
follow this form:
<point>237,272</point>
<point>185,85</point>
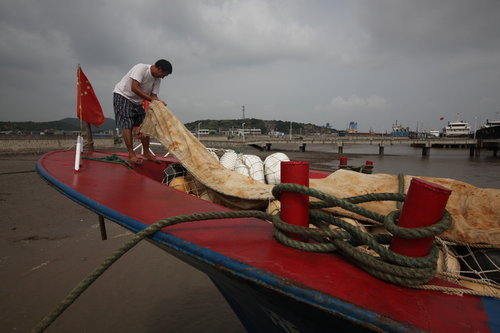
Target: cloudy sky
<point>319,61</point>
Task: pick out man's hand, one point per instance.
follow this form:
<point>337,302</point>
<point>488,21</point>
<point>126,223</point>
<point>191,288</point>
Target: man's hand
<point>159,100</point>
<point>155,98</point>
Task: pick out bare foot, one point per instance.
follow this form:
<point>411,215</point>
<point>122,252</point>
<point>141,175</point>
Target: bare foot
<point>134,160</point>
<point>151,157</point>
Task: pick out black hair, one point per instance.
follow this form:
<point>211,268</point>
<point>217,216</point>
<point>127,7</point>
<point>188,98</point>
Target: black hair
<point>164,65</point>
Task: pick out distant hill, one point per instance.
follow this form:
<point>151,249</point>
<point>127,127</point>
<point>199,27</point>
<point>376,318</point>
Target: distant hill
<point>265,125</point>
<point>66,124</point>
<point>73,124</point>
<point>27,126</point>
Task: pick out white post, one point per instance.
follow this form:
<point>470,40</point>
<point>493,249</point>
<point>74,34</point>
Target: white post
<point>243,131</point>
<point>78,152</point>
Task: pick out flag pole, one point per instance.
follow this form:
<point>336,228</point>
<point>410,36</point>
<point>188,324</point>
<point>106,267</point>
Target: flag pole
<point>79,140</point>
<point>88,105</point>
<point>90,141</point>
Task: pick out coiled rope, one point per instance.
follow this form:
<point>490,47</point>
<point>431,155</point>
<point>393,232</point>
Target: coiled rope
<point>389,266</point>
<point>111,159</point>
<point>398,269</point>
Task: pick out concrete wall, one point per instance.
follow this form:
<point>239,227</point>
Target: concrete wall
<point>42,144</point>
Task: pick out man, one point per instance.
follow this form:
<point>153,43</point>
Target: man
<point>141,83</point>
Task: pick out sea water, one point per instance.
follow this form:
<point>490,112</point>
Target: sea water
<point>481,171</point>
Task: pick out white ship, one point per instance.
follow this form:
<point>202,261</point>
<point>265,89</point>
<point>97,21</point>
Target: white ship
<point>434,133</point>
<point>491,123</point>
<point>457,128</point>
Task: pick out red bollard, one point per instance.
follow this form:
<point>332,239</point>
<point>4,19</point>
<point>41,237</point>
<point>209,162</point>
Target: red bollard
<point>368,167</point>
<point>295,206</point>
<point>424,206</point>
<point>343,162</point>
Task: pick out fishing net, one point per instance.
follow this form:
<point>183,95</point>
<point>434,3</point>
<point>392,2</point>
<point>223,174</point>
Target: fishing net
<point>241,182</point>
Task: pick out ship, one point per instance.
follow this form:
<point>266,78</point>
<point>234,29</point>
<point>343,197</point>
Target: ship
<point>457,128</point>
<point>400,130</point>
<point>491,123</point>
<point>490,130</point>
<point>434,133</point>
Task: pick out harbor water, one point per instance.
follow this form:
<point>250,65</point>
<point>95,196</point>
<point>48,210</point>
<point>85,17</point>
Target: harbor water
<point>481,171</point>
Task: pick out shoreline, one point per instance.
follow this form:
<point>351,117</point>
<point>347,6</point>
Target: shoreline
<point>318,159</point>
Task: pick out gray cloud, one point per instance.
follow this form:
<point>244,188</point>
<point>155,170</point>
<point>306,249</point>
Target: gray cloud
<point>373,62</point>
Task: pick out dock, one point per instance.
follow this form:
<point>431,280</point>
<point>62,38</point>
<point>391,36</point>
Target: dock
<point>262,143</point>
<point>38,144</point>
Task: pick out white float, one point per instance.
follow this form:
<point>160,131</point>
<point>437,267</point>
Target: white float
<point>241,167</point>
<point>228,160</point>
<point>272,167</point>
<point>255,167</point>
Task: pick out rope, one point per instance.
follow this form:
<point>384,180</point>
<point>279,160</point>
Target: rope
<point>362,168</point>
<point>401,188</point>
<point>150,230</point>
<point>389,266</point>
<point>15,172</point>
<point>111,159</point>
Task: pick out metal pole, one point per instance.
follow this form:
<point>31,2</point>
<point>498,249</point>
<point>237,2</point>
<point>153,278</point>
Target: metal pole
<point>90,142</point>
<point>102,226</point>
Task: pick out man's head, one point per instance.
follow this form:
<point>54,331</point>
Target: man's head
<point>161,68</point>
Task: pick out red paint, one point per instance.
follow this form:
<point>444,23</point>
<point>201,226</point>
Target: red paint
<point>295,206</point>
<point>424,206</point>
<point>250,241</point>
<point>153,170</point>
<point>368,166</point>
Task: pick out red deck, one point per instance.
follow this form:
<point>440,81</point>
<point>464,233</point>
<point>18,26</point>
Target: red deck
<point>250,241</point>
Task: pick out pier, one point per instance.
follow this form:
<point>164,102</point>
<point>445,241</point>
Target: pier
<point>37,144</point>
<point>342,144</point>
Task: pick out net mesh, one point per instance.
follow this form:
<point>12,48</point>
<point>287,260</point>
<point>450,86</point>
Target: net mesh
<point>474,210</point>
<point>466,265</point>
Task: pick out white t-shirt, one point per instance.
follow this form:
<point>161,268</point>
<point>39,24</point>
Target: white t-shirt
<point>148,83</point>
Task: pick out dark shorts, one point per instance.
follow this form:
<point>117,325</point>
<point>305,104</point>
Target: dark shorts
<point>127,114</point>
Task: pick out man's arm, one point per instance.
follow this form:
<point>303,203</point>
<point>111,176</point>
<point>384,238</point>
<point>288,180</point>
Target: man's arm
<point>136,88</point>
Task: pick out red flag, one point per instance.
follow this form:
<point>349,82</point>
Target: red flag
<point>88,107</point>
<point>442,118</point>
